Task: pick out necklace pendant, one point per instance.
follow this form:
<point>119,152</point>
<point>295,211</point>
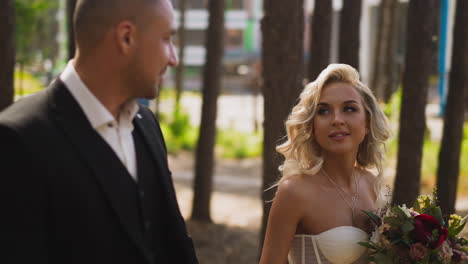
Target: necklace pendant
<point>353,198</point>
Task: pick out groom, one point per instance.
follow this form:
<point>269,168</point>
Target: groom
<point>84,175</point>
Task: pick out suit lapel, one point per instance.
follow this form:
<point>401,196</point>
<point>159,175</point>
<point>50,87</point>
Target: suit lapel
<point>149,138</point>
<point>111,174</point>
<point>156,145</point>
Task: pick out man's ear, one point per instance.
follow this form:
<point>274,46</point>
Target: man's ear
<point>125,36</point>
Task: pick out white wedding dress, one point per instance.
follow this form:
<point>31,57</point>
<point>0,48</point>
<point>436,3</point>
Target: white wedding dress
<point>338,245</point>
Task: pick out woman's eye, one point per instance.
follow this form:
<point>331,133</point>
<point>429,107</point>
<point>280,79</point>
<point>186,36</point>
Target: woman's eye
<point>322,111</point>
<point>350,109</point>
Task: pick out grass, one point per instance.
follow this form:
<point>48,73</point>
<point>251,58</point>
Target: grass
<point>181,135</point>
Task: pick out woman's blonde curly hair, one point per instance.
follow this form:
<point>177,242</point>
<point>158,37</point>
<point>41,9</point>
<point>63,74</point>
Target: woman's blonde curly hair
<point>303,154</point>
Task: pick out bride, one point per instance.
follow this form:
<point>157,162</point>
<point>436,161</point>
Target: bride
<point>336,134</point>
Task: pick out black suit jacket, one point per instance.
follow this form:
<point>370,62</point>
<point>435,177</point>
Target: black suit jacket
<point>62,193</point>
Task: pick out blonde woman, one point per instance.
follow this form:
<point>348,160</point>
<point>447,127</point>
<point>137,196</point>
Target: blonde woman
<point>336,136</point>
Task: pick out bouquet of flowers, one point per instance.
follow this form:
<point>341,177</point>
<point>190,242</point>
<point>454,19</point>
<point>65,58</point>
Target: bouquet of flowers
<point>416,235</point>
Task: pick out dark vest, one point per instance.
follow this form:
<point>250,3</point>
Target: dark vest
<point>151,203</point>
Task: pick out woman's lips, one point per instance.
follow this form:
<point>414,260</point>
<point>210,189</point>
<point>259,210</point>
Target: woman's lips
<point>338,136</point>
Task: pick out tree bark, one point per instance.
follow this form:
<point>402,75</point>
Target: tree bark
<point>282,58</point>
<point>422,28</point>
<point>71,4</point>
<point>179,75</point>
<point>350,22</point>
<point>449,155</point>
<point>385,51</point>
<point>204,159</point>
<point>7,52</point>
<point>320,38</point>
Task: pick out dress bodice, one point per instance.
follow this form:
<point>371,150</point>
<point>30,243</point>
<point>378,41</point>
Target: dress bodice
<point>338,245</point>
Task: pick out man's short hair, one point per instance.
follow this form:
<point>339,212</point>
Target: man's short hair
<point>93,18</point>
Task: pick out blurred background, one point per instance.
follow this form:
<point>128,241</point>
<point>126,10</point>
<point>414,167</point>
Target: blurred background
<point>242,66</point>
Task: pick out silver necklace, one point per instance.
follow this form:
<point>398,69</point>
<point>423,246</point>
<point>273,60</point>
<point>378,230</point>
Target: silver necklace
<point>353,196</point>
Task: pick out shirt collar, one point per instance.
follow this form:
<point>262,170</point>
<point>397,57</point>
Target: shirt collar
<point>97,114</point>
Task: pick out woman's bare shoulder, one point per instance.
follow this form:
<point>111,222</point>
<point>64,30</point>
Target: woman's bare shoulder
<point>370,181</point>
<point>297,187</point>
<point>368,176</point>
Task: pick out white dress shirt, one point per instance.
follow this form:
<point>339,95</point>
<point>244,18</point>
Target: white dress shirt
<point>118,134</point>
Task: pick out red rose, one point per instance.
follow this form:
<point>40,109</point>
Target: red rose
<point>424,226</point>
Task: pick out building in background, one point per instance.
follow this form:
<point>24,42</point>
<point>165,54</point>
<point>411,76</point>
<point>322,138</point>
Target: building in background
<point>243,35</point>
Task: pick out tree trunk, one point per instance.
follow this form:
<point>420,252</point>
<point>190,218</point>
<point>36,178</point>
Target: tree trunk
<point>320,38</point>
<point>71,4</point>
<point>385,51</point>
<point>282,58</point>
<point>7,52</point>
<point>449,155</point>
<point>422,28</point>
<point>393,70</point>
<point>349,32</point>
<point>179,76</point>
<point>204,160</point>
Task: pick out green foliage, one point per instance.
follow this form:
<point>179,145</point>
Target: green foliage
<point>425,205</point>
<point>28,15</point>
<point>181,135</point>
<point>456,225</point>
<point>29,84</point>
<point>238,145</point>
<point>372,216</point>
<point>430,160</point>
<point>178,132</point>
<point>168,93</point>
<point>392,109</point>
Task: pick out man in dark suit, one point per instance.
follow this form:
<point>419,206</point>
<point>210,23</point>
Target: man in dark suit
<point>84,175</point>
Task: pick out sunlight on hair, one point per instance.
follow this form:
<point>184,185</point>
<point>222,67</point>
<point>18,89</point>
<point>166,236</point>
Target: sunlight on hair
<point>303,154</point>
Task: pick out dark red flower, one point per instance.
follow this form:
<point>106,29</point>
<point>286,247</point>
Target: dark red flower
<point>424,227</point>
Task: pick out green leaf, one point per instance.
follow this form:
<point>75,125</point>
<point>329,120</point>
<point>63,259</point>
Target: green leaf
<point>456,231</point>
<point>407,226</point>
<point>400,212</point>
<point>375,218</point>
<point>382,259</point>
<point>368,245</point>
<point>417,206</point>
<point>437,214</point>
<point>393,221</point>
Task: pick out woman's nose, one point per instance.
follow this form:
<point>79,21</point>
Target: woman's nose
<point>337,119</point>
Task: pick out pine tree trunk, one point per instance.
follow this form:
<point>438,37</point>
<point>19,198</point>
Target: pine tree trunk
<point>449,155</point>
<point>204,159</point>
<point>320,38</point>
<point>282,58</point>
<point>7,52</point>
<point>71,4</point>
<point>385,51</point>
<point>350,22</point>
<point>179,76</point>
<point>422,28</point>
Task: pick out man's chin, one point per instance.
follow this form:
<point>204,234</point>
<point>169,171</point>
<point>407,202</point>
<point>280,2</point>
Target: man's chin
<point>150,93</point>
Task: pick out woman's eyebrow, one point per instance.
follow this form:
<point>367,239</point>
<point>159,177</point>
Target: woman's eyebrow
<point>345,102</point>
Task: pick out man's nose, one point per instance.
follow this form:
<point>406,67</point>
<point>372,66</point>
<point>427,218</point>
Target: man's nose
<point>173,60</point>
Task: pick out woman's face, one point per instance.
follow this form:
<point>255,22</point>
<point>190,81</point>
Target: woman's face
<point>340,121</point>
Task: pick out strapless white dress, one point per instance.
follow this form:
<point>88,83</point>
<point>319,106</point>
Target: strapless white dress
<point>338,245</point>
